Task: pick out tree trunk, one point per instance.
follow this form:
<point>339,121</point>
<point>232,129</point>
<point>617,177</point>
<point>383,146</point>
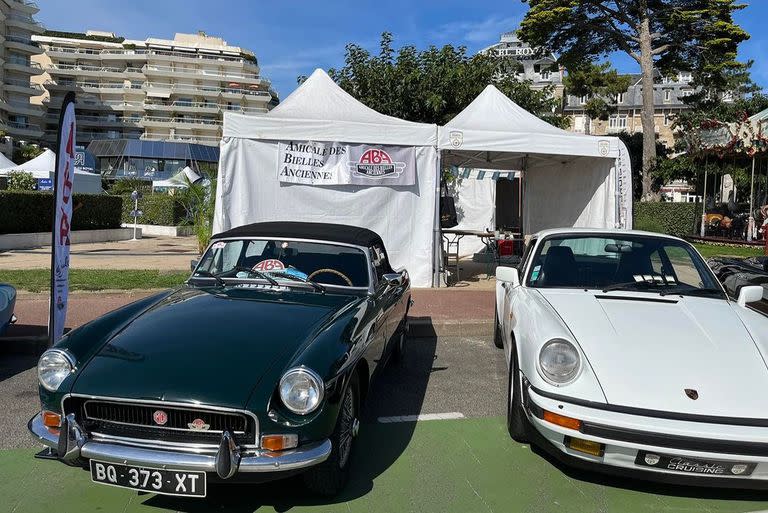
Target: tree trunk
<point>649,109</point>
<point>587,125</point>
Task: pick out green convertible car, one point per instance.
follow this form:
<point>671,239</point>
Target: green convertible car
<point>254,369</point>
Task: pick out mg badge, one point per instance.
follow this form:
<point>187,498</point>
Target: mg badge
<point>456,138</point>
<point>604,147</point>
<point>739,468</point>
<point>691,393</point>
<point>160,417</point>
<point>199,425</point>
<point>652,459</point>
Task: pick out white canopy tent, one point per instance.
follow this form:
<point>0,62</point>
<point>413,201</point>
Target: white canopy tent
<point>44,166</point>
<point>568,179</point>
<point>5,162</point>
<point>250,188</point>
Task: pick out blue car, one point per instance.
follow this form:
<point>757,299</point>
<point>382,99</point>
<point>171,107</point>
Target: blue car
<point>7,303</point>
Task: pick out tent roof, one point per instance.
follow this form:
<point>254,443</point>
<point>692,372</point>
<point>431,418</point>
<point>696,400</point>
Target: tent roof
<point>320,110</point>
<point>5,162</point>
<point>495,125</point>
<point>42,166</point>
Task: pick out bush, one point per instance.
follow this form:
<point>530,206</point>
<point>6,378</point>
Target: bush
<point>157,209</point>
<point>679,219</point>
<point>21,181</point>
<point>32,212</point>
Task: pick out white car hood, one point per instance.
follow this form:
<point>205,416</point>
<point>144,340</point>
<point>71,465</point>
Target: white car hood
<point>646,353</point>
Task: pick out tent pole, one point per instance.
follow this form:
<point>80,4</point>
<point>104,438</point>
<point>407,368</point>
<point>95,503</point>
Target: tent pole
<point>751,223</point>
<point>523,171</point>
<point>703,230</point>
<point>438,238</point>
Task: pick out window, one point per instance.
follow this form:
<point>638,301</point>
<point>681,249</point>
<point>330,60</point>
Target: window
<point>579,123</point>
<point>583,99</point>
<point>667,95</point>
<point>685,77</point>
<point>620,98</point>
<point>617,122</point>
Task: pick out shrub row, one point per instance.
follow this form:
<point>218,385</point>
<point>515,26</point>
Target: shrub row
<point>156,209</point>
<point>32,212</point>
<point>677,219</point>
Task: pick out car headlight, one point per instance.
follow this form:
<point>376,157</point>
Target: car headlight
<point>301,390</point>
<point>53,368</point>
<point>559,361</point>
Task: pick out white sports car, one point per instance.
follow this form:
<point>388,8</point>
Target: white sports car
<point>625,355</point>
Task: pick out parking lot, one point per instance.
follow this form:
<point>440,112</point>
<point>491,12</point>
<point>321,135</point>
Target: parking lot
<point>433,439</point>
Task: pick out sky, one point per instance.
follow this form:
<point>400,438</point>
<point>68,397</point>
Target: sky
<point>292,38</point>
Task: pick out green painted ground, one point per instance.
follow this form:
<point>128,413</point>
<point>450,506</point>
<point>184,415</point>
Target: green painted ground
<point>436,466</point>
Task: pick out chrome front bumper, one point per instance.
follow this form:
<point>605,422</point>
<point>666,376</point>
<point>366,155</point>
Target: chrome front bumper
<point>228,460</point>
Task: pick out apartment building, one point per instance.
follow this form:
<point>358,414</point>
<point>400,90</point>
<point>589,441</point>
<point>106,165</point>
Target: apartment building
<point>668,94</point>
<point>155,89</point>
<point>19,120</point>
<point>528,63</point>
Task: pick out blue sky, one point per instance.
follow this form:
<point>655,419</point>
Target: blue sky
<point>294,38</point>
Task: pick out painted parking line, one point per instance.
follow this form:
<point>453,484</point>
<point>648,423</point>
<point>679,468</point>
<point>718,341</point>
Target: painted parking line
<point>419,418</point>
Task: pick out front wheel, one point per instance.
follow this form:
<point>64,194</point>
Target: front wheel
<point>329,477</point>
<point>516,421</point>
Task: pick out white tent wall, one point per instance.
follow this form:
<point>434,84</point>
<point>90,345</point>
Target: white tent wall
<point>475,210</point>
<point>402,216</point>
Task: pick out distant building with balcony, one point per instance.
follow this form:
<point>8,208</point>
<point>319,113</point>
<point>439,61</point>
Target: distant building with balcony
<point>19,119</point>
<point>528,63</point>
<point>668,95</point>
<point>156,89</point>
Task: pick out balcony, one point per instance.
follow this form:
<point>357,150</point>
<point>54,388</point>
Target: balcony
<point>85,70</point>
<point>17,129</point>
<point>212,140</point>
<point>23,86</point>
<point>24,109</point>
<point>118,105</point>
<point>22,44</point>
<point>26,5</point>
<point>179,105</point>
<point>72,53</point>
<point>204,74</point>
<point>25,23</point>
<point>167,121</point>
<point>95,87</point>
<point>28,67</point>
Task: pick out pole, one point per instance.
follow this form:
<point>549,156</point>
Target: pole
<point>703,230</point>
<point>751,223</point>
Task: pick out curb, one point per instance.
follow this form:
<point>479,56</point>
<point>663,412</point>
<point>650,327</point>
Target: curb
<point>425,327</point>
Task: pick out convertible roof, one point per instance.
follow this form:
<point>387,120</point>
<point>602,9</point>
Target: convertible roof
<point>314,231</point>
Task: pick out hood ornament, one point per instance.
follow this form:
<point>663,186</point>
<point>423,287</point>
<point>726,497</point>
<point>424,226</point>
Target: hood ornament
<point>691,393</point>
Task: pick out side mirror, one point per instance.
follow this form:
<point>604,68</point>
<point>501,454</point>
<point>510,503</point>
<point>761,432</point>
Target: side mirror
<point>193,264</point>
<point>508,275</point>
<point>393,279</point>
<point>750,294</point>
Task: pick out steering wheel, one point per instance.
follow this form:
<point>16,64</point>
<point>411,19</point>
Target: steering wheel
<point>331,271</point>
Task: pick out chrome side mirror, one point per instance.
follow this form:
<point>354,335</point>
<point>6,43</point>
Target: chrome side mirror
<point>193,264</point>
<point>750,294</point>
<point>393,279</point>
<point>508,275</point>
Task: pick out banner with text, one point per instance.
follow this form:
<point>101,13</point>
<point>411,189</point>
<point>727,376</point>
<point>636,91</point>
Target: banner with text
<point>62,218</point>
<point>330,163</point>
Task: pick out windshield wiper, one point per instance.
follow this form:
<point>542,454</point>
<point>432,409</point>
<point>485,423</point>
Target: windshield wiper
<point>206,274</point>
<point>258,274</point>
<point>693,291</point>
<point>630,285</point>
<point>294,277</point>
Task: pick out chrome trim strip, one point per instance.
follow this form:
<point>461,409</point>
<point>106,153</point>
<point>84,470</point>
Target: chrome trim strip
<point>168,404</point>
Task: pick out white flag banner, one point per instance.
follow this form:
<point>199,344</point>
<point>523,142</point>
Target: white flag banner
<point>62,218</point>
<point>331,163</point>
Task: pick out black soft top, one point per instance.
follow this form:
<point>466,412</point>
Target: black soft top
<point>342,233</point>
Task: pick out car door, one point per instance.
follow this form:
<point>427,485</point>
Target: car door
<point>510,298</point>
<point>380,304</point>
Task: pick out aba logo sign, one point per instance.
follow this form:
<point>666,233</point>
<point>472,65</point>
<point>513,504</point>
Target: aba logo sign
<point>376,163</point>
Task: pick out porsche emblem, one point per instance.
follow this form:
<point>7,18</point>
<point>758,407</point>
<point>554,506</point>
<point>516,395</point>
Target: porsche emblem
<point>691,393</point>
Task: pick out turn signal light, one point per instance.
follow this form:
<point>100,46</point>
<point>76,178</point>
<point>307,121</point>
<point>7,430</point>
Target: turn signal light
<point>585,446</point>
<point>51,420</point>
<point>279,442</point>
<point>562,420</point>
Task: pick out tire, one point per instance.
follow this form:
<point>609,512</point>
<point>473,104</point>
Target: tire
<point>497,339</point>
<point>399,348</point>
<point>329,477</point>
<point>517,424</point>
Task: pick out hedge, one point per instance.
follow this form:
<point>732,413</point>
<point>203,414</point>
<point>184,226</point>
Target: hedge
<point>157,209</point>
<point>32,212</point>
<point>678,219</point>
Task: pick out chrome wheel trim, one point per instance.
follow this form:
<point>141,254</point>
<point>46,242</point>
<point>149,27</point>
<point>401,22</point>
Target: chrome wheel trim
<point>346,427</point>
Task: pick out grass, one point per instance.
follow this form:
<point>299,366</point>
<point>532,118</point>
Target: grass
<point>711,250</point>
<point>39,280</point>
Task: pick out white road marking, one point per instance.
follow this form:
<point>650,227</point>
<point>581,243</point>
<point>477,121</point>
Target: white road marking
<point>419,418</point>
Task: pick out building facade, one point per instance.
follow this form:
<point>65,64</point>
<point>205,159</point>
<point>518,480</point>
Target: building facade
<point>155,89</point>
<point>668,96</point>
<point>19,119</point>
<point>527,63</point>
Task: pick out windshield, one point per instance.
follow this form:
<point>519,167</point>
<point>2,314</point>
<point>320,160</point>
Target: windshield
<point>285,261</point>
<point>621,263</point>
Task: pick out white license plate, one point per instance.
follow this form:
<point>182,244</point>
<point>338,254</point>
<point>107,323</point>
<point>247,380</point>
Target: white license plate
<point>162,481</point>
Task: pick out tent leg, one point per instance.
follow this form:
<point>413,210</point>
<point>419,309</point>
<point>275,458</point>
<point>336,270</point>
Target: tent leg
<point>437,245</point>
<point>703,230</point>
<point>751,222</point>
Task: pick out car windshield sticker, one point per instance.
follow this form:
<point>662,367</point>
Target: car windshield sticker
<point>670,279</point>
<point>295,272</point>
<point>269,265</point>
<point>535,273</point>
<point>218,245</point>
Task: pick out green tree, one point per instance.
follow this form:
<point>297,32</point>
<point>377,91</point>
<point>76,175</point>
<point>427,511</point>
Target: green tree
<point>26,153</point>
<point>665,35</point>
<point>602,84</point>
<point>21,181</point>
<point>435,84</point>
